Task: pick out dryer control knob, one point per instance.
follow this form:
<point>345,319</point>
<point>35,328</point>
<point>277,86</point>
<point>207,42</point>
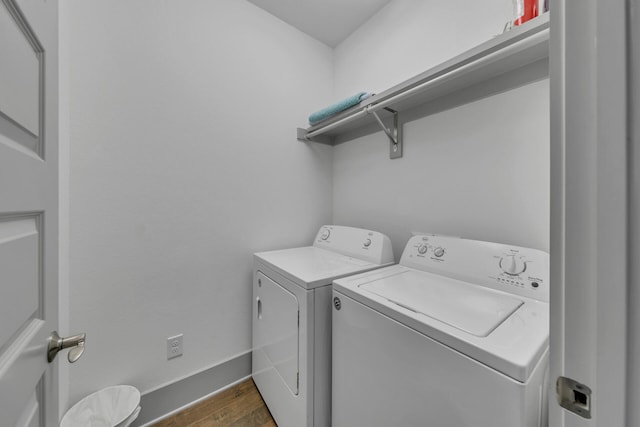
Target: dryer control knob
<point>438,252</point>
<point>512,265</point>
<point>367,243</point>
<point>422,249</point>
<point>325,234</point>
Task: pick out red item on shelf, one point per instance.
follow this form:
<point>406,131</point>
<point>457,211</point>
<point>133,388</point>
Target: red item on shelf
<point>529,10</point>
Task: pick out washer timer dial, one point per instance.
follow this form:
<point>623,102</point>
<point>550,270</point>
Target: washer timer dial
<point>512,265</point>
<point>325,234</point>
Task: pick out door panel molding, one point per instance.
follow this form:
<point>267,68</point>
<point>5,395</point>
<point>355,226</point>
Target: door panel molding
<point>20,262</point>
<point>23,24</point>
<point>10,126</point>
<point>19,366</point>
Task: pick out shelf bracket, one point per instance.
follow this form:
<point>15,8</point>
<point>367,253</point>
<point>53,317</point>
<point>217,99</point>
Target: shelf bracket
<point>394,134</point>
<point>321,139</point>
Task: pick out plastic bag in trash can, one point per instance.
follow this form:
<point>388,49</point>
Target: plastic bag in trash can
<point>115,406</point>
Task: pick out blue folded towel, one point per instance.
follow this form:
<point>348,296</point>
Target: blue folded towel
<point>331,110</point>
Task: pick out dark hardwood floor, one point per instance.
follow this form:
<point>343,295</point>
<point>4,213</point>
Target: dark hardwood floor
<point>238,406</point>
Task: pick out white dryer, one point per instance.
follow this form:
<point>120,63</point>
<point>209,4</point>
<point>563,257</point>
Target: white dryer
<point>292,319</point>
<point>456,335</point>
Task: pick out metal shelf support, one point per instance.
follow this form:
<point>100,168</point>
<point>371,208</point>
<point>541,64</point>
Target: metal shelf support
<point>394,134</point>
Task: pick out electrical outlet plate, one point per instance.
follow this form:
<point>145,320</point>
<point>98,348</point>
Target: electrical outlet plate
<point>174,346</point>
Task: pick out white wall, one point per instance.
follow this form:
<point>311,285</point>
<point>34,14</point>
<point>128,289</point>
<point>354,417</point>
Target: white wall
<point>479,171</point>
<point>408,37</point>
<point>183,162</point>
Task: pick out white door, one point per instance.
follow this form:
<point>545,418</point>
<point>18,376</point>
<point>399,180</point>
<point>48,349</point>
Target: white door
<point>589,215</point>
<point>28,211</point>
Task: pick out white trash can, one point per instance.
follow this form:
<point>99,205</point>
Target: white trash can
<point>116,406</point>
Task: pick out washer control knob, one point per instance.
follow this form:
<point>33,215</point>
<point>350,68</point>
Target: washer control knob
<point>438,252</point>
<point>367,243</point>
<point>422,249</point>
<point>512,265</point>
<point>325,234</point>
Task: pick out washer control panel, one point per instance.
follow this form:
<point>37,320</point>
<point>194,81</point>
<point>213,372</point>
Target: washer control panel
<point>514,269</point>
<point>366,245</point>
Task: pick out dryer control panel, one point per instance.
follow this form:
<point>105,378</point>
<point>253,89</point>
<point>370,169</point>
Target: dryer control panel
<point>513,269</point>
<point>367,245</point>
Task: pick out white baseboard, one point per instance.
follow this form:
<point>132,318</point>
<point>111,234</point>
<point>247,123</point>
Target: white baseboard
<point>174,397</point>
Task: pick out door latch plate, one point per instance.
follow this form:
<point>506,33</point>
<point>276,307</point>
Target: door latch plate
<point>574,397</point>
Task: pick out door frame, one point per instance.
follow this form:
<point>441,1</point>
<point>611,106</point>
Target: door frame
<point>633,411</point>
<point>589,206</point>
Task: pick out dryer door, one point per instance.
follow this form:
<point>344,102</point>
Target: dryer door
<point>275,331</point>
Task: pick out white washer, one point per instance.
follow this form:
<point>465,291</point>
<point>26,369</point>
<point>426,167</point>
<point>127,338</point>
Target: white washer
<point>292,319</point>
<point>456,335</point>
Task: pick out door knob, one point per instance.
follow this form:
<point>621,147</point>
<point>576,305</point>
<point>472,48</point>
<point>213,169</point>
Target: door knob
<point>74,342</point>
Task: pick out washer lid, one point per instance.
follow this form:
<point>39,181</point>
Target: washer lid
<point>472,309</point>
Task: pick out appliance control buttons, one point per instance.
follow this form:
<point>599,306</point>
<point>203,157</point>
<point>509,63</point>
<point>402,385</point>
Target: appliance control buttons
<point>422,249</point>
<point>325,234</point>
<point>367,243</point>
<point>512,265</point>
<point>438,252</point>
<point>535,284</point>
